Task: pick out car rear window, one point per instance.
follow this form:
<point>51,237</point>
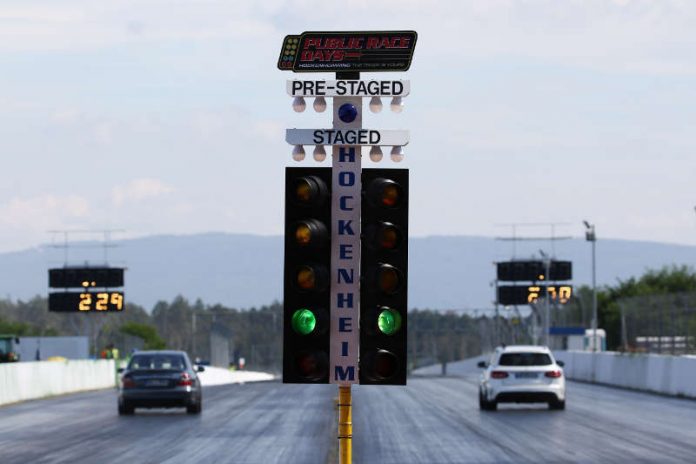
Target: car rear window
<point>524,359</point>
<point>157,361</point>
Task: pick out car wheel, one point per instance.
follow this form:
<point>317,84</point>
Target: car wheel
<point>557,405</point>
<point>194,408</point>
<point>125,409</point>
<point>485,405</point>
<point>482,402</point>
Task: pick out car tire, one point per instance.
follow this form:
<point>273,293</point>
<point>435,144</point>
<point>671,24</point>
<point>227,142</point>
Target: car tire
<point>194,408</point>
<point>485,405</point>
<point>125,409</point>
<point>557,405</point>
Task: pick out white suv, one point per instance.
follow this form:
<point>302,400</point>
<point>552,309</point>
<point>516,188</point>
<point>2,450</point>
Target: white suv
<point>522,374</point>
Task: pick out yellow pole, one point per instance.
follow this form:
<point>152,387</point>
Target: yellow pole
<point>345,425</point>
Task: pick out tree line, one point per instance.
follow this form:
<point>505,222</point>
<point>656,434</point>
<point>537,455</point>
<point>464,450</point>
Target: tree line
<point>669,280</point>
<point>255,334</point>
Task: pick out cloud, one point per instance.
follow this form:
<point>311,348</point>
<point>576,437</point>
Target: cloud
<point>38,214</point>
<point>627,35</point>
<point>66,116</point>
<point>138,190</point>
<point>82,25</point>
<point>106,95</point>
<point>269,129</point>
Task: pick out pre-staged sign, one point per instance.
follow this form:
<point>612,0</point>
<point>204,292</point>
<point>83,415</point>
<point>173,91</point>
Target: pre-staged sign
<point>348,51</point>
<point>344,88</point>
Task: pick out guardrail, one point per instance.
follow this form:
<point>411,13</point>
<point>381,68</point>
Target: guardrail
<point>670,375</point>
<point>31,380</point>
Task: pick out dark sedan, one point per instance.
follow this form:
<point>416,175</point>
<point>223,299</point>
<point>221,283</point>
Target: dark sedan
<point>160,379</point>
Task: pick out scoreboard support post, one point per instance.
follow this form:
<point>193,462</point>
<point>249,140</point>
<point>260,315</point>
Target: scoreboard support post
<point>345,424</point>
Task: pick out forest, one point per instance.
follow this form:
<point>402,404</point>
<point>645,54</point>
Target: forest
<point>441,336</point>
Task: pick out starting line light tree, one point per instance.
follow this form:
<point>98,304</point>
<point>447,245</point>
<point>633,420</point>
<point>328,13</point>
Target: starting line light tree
<point>306,281</point>
<point>346,257</point>
<point>384,269</point>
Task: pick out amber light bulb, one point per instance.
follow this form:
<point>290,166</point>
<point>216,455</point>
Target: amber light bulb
<point>388,279</point>
<point>306,279</point>
<point>390,195</point>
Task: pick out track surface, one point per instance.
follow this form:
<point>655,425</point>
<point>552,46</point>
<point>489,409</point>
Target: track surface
<point>432,420</point>
<point>250,423</point>
<point>436,420</point>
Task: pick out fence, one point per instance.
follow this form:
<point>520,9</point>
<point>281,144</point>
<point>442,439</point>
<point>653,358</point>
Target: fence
<point>664,324</point>
<point>443,337</point>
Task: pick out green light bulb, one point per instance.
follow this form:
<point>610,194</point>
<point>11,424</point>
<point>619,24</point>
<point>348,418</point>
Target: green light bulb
<point>303,321</point>
<point>389,321</point>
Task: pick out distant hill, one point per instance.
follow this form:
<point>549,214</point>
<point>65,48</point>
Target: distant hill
<point>244,271</point>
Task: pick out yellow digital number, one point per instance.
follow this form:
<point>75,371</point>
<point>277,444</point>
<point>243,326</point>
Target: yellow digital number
<point>85,302</point>
<point>566,292</point>
<point>117,300</point>
<point>102,301</point>
<point>551,293</point>
<point>533,294</point>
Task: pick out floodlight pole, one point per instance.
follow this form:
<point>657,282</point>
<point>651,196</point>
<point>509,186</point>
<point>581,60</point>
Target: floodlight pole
<point>547,306</point>
<point>590,236</point>
<point>497,341</point>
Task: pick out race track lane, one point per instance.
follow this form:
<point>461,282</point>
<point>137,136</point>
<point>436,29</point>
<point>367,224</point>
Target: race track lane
<point>437,420</point>
<point>252,423</point>
<point>433,420</point>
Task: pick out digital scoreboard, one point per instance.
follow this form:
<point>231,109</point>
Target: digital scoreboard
<point>67,277</point>
<point>85,301</point>
<point>537,284</point>
<point>533,270</point>
<point>509,295</point>
<point>86,289</point>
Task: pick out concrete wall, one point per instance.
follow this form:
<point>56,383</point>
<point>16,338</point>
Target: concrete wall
<point>30,380</point>
<point>671,375</point>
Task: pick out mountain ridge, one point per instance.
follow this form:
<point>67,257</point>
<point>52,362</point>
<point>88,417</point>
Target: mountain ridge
<point>245,270</point>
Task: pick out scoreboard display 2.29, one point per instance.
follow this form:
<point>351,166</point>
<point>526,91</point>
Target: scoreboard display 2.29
<point>86,289</point>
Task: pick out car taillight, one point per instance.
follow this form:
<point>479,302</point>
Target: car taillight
<point>553,374</point>
<point>186,380</point>
<point>499,375</point>
<point>127,382</point>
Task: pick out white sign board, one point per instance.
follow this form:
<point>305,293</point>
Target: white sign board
<point>343,88</point>
<point>346,137</point>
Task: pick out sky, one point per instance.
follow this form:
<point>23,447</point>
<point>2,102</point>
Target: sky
<point>161,117</point>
